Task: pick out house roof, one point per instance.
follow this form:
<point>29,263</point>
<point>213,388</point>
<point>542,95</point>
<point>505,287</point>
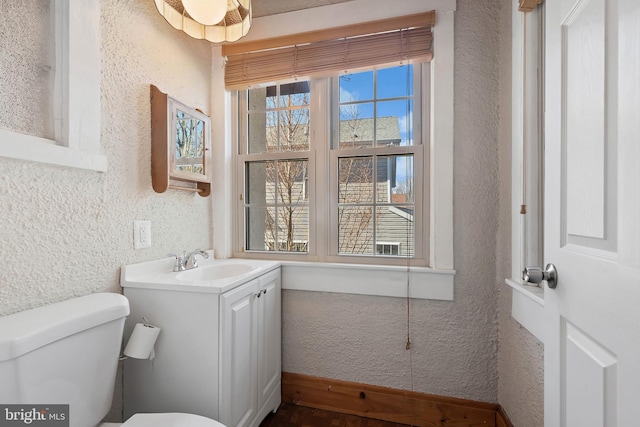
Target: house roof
<point>361,130</point>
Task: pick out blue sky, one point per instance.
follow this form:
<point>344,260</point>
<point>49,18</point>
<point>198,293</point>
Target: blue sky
<point>394,82</point>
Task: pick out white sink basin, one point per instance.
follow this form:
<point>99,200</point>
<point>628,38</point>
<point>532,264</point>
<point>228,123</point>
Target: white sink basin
<point>211,275</point>
<point>223,270</point>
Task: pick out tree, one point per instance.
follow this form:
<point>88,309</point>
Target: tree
<point>287,130</point>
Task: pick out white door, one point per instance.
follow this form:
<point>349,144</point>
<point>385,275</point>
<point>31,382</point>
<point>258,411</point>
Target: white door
<point>592,212</point>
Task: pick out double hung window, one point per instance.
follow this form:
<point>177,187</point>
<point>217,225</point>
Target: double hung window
<point>276,167</point>
<point>332,168</point>
<point>374,151</point>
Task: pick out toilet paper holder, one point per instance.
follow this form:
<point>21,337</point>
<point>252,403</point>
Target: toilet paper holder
<point>141,343</point>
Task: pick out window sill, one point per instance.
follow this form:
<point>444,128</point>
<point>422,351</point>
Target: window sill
<point>534,293</point>
<point>527,307</point>
<point>31,148</point>
<point>389,281</point>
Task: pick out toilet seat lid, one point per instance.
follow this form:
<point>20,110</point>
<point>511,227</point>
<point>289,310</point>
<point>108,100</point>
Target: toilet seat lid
<point>172,419</point>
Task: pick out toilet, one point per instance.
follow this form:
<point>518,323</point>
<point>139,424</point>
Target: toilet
<point>67,353</point>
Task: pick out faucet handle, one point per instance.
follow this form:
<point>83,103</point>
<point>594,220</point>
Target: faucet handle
<point>179,264</point>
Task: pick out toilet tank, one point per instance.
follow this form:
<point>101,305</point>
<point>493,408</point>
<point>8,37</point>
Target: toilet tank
<point>64,353</point>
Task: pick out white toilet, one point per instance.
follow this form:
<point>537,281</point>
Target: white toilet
<point>67,353</point>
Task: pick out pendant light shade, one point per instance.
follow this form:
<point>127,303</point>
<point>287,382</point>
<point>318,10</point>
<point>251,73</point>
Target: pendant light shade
<point>206,12</point>
<point>234,25</point>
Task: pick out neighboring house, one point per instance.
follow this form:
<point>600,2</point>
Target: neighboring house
<point>394,212</point>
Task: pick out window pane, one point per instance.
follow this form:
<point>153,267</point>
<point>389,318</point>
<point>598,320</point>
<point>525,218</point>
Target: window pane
<point>394,123</point>
<point>259,100</point>
<point>355,180</point>
<point>263,132</point>
<point>259,224</point>
<point>394,182</point>
<point>355,235</point>
<point>356,125</point>
<point>402,180</point>
<point>284,229</point>
<point>294,130</point>
<point>392,224</point>
<point>394,82</point>
<point>26,86</point>
<point>292,181</point>
<point>279,118</point>
<point>277,205</point>
<point>356,87</point>
<point>293,228</point>
<point>394,230</point>
<point>257,186</point>
<point>294,94</point>
<point>257,123</point>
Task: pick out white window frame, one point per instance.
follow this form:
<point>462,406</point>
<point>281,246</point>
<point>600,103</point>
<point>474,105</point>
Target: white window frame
<point>242,157</point>
<point>76,94</point>
<point>323,201</point>
<point>435,282</point>
<point>527,303</point>
<point>421,97</point>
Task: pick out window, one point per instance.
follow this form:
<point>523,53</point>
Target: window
<point>375,157</point>
<point>347,148</point>
<point>276,208</point>
<point>431,271</point>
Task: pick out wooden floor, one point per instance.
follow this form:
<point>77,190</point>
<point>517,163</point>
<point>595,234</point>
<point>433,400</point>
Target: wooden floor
<point>299,416</point>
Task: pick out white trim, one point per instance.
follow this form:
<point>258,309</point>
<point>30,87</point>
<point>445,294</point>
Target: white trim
<point>441,142</point>
<point>437,138</point>
<point>527,302</point>
<point>77,142</point>
<point>32,148</point>
<point>340,14</point>
<point>527,307</point>
<point>401,213</point>
<point>389,281</point>
<point>224,130</point>
<point>526,244</point>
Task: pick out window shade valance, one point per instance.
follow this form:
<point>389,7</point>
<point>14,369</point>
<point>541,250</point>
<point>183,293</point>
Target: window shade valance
<point>331,50</point>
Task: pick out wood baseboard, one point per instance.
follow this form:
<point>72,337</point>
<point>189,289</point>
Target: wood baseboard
<point>501,418</point>
<point>398,406</point>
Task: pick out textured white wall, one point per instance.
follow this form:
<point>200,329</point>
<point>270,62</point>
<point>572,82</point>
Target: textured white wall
<point>520,354</point>
<point>454,351</point>
<point>66,232</point>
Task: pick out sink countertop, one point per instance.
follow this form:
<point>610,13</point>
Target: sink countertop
<point>159,274</point>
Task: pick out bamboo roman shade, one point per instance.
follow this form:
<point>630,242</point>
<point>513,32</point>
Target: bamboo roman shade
<point>327,51</point>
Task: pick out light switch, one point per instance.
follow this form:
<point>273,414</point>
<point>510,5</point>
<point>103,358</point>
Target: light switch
<point>141,234</point>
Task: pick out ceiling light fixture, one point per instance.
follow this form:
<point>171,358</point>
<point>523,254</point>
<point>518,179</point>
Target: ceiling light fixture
<point>206,12</point>
<point>194,17</point>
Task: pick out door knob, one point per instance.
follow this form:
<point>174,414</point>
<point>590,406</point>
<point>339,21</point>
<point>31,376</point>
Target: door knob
<point>537,275</point>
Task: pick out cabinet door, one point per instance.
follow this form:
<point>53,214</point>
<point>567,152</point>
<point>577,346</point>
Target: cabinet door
<point>269,336</point>
<point>238,367</point>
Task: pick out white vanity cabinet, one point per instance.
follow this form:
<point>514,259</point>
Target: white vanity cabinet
<point>250,367</point>
<point>219,349</point>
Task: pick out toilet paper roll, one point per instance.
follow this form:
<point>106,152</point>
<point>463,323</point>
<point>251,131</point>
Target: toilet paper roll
<point>141,342</point>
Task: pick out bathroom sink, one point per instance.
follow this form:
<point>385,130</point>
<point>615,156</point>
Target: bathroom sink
<point>211,275</point>
<point>223,270</point>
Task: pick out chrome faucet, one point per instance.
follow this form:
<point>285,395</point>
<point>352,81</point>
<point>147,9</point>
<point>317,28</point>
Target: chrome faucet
<point>187,262</point>
<point>190,260</point>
